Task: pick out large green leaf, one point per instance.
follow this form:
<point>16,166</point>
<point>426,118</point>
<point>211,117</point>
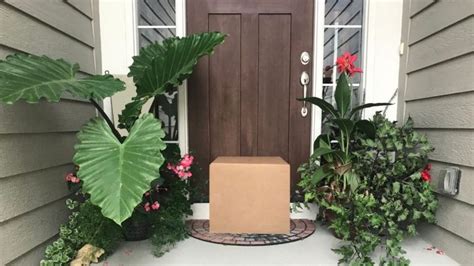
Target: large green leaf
<point>31,77</point>
<point>117,174</point>
<point>325,106</point>
<point>342,95</point>
<point>162,66</point>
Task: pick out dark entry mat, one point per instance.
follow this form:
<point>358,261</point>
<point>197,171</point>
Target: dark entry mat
<point>299,229</point>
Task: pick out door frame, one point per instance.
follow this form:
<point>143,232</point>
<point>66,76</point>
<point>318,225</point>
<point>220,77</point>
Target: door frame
<point>317,59</point>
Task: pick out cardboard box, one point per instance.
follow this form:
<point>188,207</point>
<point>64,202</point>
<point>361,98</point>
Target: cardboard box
<point>249,195</point>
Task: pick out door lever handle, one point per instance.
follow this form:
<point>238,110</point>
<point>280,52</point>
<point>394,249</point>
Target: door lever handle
<point>304,80</point>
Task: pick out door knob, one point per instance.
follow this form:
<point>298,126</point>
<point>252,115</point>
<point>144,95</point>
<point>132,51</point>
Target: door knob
<point>304,80</point>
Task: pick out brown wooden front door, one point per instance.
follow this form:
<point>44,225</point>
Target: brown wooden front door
<point>242,99</point>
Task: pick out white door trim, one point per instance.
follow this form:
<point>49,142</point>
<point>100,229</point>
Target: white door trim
<point>318,45</point>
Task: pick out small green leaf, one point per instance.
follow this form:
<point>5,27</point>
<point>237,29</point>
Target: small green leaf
<point>352,179</point>
<point>322,141</point>
<point>319,175</point>
<point>396,187</point>
<point>366,127</point>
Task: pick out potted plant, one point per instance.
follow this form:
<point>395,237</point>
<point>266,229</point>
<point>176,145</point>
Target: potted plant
<point>370,178</point>
<point>114,170</point>
<point>329,171</point>
<point>393,196</point>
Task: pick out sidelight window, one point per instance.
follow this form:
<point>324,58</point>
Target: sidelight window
<point>157,21</point>
<point>343,32</point>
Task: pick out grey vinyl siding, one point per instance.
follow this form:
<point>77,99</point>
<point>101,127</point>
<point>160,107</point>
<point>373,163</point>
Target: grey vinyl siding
<point>36,141</point>
<point>437,90</point>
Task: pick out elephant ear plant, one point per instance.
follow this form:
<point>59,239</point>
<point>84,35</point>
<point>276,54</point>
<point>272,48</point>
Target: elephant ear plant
<point>115,170</point>
<point>333,150</point>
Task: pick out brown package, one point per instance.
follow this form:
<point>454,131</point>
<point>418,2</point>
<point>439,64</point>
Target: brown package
<point>249,195</point>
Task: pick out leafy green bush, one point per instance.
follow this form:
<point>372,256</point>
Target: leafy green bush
<point>86,225</point>
<point>393,195</point>
<point>169,225</point>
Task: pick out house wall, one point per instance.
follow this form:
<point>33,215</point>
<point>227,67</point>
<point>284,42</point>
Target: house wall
<point>437,90</point>
<point>36,141</point>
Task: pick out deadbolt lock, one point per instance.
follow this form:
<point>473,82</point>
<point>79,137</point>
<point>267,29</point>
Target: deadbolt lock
<point>305,58</point>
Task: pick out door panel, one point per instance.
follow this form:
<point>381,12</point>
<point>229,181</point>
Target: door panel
<point>273,83</point>
<point>224,88</point>
<point>242,99</point>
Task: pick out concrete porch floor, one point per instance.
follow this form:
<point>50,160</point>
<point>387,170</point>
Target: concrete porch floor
<point>314,250</point>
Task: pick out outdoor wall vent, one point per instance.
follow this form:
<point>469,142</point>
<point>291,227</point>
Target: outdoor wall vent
<point>449,181</point>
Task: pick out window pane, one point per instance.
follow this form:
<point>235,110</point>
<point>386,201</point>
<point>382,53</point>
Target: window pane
<point>156,12</point>
<point>165,107</point>
<point>348,40</point>
<point>343,12</point>
<point>149,36</point>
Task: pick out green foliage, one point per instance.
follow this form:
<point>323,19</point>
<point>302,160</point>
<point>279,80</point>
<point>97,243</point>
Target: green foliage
<point>125,169</point>
<point>86,225</point>
<point>331,162</point>
<point>389,200</point>
<point>30,78</point>
<point>115,170</point>
<point>163,66</point>
<point>169,222</point>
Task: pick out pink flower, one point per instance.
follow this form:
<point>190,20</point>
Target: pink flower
<point>72,178</point>
<point>147,207</point>
<point>187,161</point>
<point>155,205</point>
<point>345,63</point>
<point>147,193</point>
<point>69,176</point>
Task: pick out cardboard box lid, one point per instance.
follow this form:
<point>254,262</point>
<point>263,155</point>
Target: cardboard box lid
<point>249,160</point>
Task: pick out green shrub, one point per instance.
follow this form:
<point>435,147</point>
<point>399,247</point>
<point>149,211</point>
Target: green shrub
<point>393,194</point>
<point>86,225</point>
<point>169,225</point>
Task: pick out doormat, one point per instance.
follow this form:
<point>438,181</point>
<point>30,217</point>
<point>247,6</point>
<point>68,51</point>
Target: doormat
<point>299,229</point>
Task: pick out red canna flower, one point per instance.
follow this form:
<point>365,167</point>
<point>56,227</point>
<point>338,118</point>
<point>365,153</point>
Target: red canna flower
<point>345,63</point>
<point>425,174</point>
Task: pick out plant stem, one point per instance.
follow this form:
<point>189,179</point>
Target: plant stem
<point>107,119</point>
